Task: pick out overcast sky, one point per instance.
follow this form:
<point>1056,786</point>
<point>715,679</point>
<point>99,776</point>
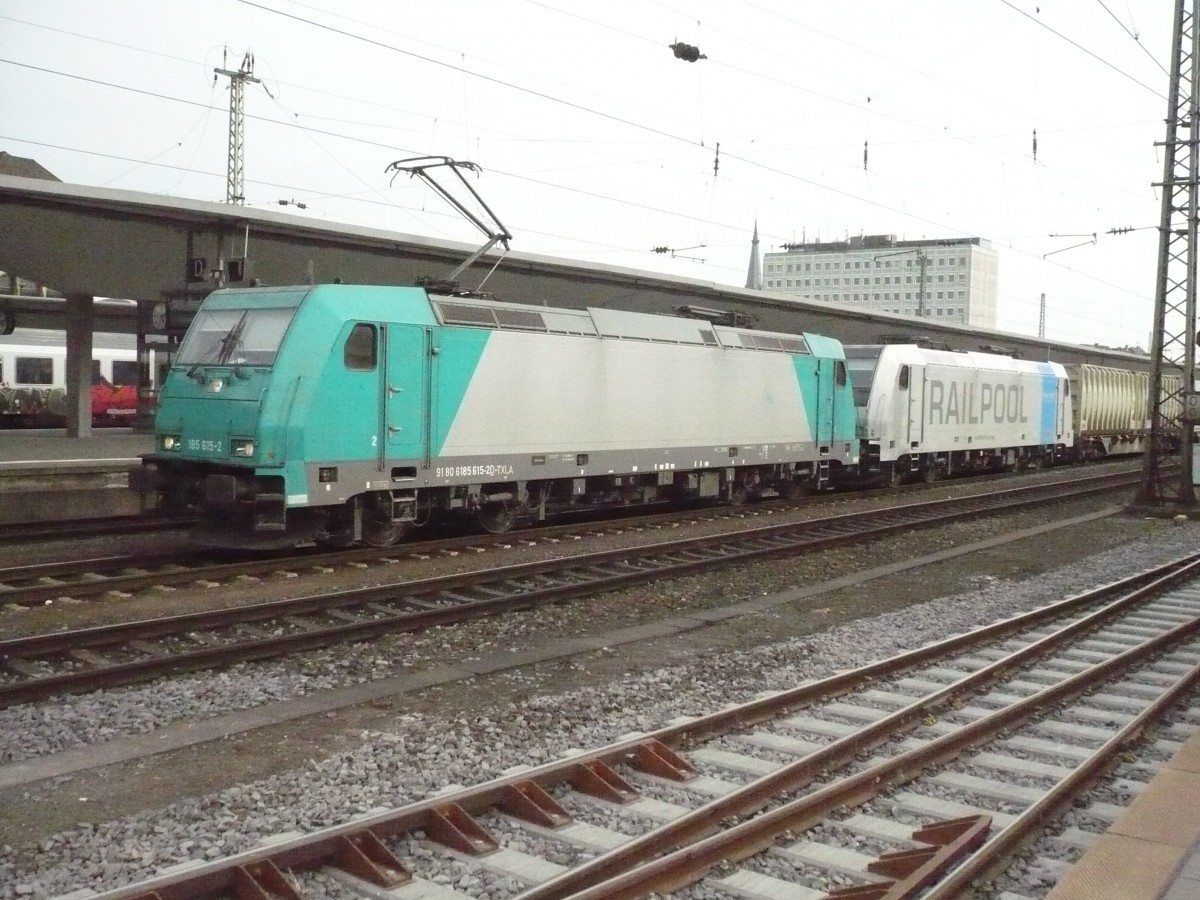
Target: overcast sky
<point>597,144</point>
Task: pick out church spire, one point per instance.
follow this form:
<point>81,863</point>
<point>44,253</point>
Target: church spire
<point>754,273</point>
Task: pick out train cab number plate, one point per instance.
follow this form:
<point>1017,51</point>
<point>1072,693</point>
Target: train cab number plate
<point>205,446</point>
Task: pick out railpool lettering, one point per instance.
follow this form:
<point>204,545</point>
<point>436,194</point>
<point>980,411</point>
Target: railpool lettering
<point>960,403</point>
<point>490,470</point>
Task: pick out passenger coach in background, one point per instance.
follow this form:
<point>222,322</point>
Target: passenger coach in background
<point>341,413</point>
<point>33,380</point>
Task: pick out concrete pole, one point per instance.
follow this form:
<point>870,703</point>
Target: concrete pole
<point>79,365</point>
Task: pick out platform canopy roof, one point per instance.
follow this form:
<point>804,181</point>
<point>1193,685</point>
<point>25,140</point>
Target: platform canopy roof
<point>109,243</point>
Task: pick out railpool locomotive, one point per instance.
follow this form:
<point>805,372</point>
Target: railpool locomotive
<point>923,413</point>
<point>930,413</point>
<point>339,413</point>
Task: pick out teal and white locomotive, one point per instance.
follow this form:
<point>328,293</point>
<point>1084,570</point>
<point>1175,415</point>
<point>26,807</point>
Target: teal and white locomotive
<point>343,413</point>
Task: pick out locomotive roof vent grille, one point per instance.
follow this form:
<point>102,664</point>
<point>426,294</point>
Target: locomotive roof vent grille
<point>708,337</point>
<point>755,341</point>
<point>519,318</point>
<point>461,314</point>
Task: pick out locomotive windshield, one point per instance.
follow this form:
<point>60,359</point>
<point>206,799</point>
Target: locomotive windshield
<point>862,374</point>
<point>236,337</point>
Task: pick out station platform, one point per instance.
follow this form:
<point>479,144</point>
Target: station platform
<point>1152,851</point>
<point>46,476</point>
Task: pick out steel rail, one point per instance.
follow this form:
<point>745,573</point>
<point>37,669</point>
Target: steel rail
<point>26,532</point>
<point>691,862</point>
<point>755,795</point>
<point>195,567</point>
<point>993,857</point>
<point>596,570</point>
<point>590,771</point>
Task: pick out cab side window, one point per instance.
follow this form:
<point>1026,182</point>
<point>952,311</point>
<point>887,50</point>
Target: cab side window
<point>839,373</point>
<point>903,377</point>
<point>361,348</point>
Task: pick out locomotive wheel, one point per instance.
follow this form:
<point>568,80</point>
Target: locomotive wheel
<point>893,476</point>
<point>931,473</point>
<point>796,490</point>
<point>382,534</point>
<point>378,529</point>
<point>496,518</point>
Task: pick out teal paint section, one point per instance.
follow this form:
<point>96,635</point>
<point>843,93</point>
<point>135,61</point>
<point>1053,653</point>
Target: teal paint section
<point>287,410</point>
<point>336,414</point>
<point>827,347</point>
<point>808,376</point>
<point>257,298</point>
<point>830,408</point>
<point>408,386</point>
<point>459,351</point>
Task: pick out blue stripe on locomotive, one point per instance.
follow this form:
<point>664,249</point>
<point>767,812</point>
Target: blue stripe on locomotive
<point>1049,421</point>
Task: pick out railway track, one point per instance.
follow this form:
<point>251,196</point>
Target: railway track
<point>26,532</point>
<point>43,665</point>
<point>921,772</point>
<point>32,584</point>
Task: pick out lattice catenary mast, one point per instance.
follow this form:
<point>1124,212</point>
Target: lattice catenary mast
<point>1173,335</point>
<point>236,170</point>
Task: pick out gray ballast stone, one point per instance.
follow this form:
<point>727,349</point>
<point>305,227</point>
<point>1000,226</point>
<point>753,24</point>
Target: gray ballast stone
<point>423,752</point>
<point>1076,838</point>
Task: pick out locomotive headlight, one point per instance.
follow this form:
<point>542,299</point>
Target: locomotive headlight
<point>241,447</point>
<point>214,385</point>
<point>171,442</point>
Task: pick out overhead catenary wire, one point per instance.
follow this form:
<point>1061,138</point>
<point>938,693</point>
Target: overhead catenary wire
<point>821,184</point>
<point>1080,47</point>
<point>1136,38</point>
<point>750,162</point>
<point>734,150</point>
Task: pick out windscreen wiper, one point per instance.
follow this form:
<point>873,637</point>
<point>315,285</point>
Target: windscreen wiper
<point>230,342</point>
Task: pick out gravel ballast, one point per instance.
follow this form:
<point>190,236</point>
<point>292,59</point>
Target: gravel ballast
<point>421,752</point>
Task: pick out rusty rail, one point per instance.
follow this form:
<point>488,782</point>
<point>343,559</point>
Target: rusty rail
<point>450,817</point>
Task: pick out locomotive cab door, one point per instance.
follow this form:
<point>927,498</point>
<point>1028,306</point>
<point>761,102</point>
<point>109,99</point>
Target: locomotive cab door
<point>912,380</point>
<point>406,380</point>
<point>823,427</point>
